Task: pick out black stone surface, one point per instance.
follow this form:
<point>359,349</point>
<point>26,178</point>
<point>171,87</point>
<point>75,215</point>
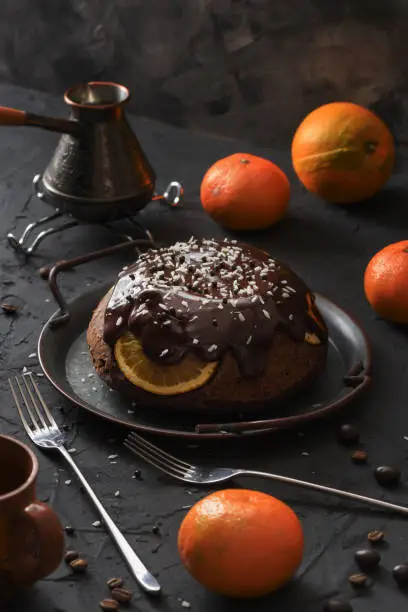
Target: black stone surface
<point>327,245</point>
<point>241,68</point>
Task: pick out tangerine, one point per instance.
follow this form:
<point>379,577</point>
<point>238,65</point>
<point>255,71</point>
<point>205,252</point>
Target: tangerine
<point>386,282</point>
<point>241,543</point>
<point>343,152</point>
<point>245,192</point>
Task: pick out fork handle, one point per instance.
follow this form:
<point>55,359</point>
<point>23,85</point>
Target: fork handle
<point>141,574</point>
<point>323,489</point>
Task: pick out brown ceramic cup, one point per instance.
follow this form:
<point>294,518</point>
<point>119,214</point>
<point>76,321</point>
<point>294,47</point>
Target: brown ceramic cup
<point>31,538</point>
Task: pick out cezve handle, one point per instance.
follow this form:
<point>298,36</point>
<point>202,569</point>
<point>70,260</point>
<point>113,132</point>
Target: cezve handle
<point>13,116</point>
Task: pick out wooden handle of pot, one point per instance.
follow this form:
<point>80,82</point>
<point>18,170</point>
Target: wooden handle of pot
<point>12,116</point>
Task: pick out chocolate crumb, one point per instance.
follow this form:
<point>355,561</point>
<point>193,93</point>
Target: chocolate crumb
<point>358,580</point>
<point>376,536</point>
<point>359,457</point>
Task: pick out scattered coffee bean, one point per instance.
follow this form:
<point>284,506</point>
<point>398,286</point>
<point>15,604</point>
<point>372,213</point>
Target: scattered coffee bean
<point>79,565</point>
<point>337,605</point>
<point>137,474</point>
<point>387,476</point>
<point>367,558</point>
<point>71,555</point>
<point>375,536</point>
<point>348,435</point>
<point>121,595</point>
<point>109,604</point>
<point>44,272</point>
<point>114,583</point>
<point>358,580</point>
<point>400,574</point>
<point>9,309</point>
<point>359,456</point>
<point>156,529</point>
<point>69,529</point>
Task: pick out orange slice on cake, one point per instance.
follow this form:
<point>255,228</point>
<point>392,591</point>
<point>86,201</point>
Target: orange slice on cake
<point>191,373</point>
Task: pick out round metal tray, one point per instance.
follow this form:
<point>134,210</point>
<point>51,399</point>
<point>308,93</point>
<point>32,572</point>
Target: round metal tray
<point>65,360</point>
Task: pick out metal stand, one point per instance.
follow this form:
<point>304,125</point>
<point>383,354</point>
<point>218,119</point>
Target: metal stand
<point>172,196</point>
<point>20,244</point>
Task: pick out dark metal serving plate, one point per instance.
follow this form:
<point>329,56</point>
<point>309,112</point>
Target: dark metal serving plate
<point>65,360</point>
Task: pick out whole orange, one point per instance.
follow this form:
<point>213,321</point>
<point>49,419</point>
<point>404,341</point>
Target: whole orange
<point>343,152</point>
<point>386,282</point>
<point>241,543</point>
<point>245,192</point>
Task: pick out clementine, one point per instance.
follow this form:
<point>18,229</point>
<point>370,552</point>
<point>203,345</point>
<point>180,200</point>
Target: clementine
<point>386,282</point>
<point>343,152</point>
<point>245,192</point>
<point>241,543</point>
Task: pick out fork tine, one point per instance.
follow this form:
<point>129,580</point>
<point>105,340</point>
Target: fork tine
<point>159,452</point>
<point>154,463</point>
<point>157,462</point>
<point>34,402</point>
<point>18,406</point>
<point>25,403</point>
<point>43,404</point>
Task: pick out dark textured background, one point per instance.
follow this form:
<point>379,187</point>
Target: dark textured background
<point>246,68</point>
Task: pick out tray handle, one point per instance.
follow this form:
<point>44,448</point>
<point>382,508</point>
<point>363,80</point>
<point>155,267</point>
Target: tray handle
<point>240,427</point>
<point>63,313</point>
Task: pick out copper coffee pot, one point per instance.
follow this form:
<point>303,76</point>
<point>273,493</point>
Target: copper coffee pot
<point>98,172</point>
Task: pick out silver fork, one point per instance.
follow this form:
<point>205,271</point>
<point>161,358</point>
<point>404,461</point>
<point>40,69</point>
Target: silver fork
<point>199,475</point>
<point>44,431</point>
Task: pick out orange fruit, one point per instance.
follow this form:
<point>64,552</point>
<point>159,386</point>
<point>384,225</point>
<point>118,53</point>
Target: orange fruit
<point>187,375</point>
<point>245,192</point>
<point>343,152</point>
<point>241,543</point>
<point>386,282</point>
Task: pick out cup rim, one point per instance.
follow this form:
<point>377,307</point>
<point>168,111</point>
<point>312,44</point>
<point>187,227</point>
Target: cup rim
<point>125,91</point>
<point>31,477</point>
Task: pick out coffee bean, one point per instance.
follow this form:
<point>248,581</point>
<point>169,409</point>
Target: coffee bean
<point>358,580</point>
<point>359,456</point>
<point>121,595</point>
<point>400,574</point>
<point>44,272</point>
<point>114,583</point>
<point>375,536</point>
<point>387,476</point>
<point>337,605</point>
<point>109,604</point>
<point>367,558</point>
<point>79,565</point>
<point>71,555</point>
<point>348,435</point>
<point>69,529</point>
<point>9,309</point>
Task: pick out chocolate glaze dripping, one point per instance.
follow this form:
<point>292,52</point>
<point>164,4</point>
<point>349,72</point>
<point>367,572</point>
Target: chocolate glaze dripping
<point>209,297</point>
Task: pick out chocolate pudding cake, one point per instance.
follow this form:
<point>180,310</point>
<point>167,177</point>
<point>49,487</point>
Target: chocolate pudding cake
<point>204,325</point>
